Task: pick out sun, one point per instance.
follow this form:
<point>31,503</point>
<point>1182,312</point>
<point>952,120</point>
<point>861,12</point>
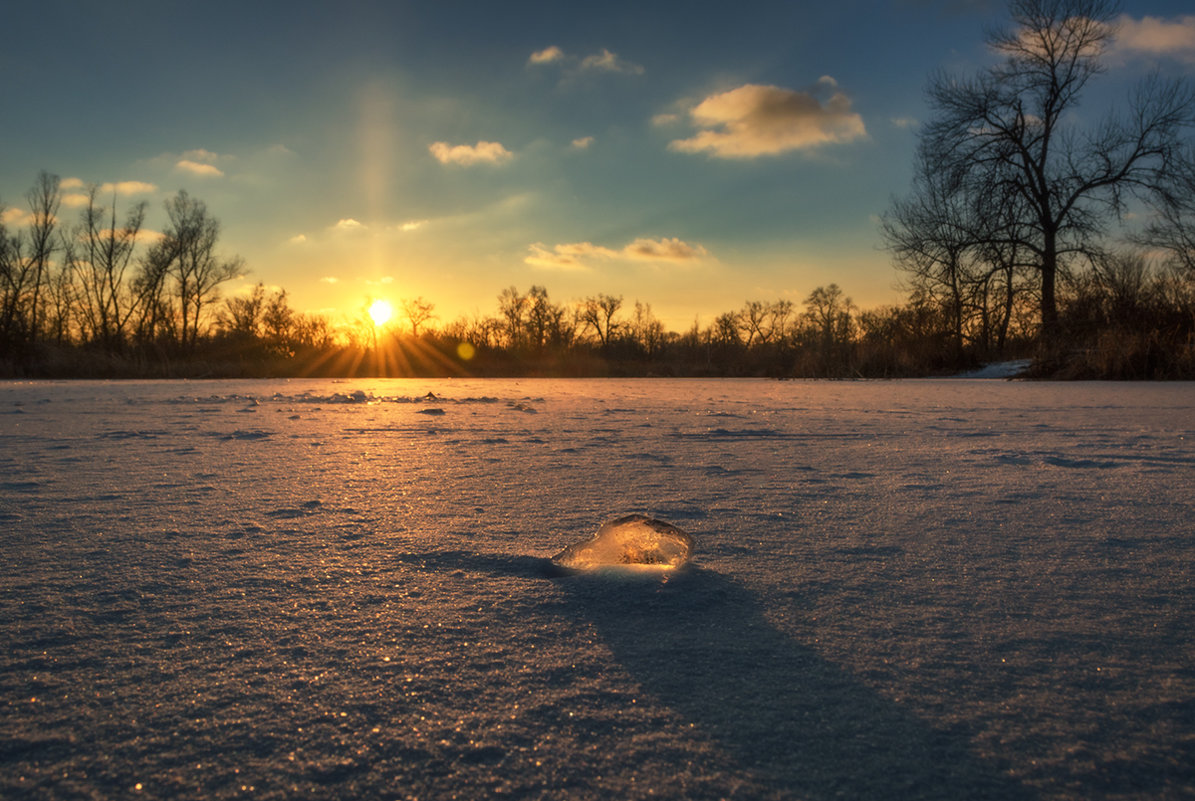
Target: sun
<point>380,312</point>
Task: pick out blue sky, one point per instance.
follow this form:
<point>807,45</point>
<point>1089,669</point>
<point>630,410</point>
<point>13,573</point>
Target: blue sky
<point>689,155</point>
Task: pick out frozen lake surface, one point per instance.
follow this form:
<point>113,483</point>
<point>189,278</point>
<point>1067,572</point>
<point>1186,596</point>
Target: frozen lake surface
<point>952,589</point>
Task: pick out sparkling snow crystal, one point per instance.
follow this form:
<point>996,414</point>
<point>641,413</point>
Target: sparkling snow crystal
<point>634,541</point>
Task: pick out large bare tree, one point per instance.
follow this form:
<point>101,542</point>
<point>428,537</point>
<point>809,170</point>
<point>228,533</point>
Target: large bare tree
<point>1012,137</point>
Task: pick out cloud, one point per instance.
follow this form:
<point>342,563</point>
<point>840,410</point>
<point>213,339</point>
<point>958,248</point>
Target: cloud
<point>582,143</point>
<point>665,119</point>
<point>144,235</point>
<point>755,120</point>
<point>411,225</point>
<point>329,279</point>
<point>348,224</point>
<point>666,249</point>
<point>13,216</point>
<point>199,169</point>
<point>201,162</point>
<point>468,155</point>
<point>606,61</point>
<point>127,188</point>
<point>77,200</point>
<point>1157,36</point>
<point>298,239</point>
<point>548,55</point>
<point>905,123</point>
<point>200,154</point>
<point>565,257</point>
<point>574,255</point>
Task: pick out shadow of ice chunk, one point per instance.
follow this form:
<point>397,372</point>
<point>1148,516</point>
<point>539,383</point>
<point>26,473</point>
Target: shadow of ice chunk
<point>634,542</point>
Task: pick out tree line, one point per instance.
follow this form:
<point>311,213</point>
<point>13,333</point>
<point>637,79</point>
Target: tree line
<point>1031,229</point>
<point>100,297</point>
<point>97,298</point>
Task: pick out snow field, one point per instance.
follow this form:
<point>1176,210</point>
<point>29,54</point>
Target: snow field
<point>317,589</point>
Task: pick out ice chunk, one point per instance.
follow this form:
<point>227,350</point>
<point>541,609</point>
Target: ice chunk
<point>635,541</point>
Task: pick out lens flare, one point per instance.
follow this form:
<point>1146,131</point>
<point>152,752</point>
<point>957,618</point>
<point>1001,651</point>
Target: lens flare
<point>380,312</point>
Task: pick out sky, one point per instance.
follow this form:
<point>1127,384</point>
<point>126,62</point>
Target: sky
<point>692,155</point>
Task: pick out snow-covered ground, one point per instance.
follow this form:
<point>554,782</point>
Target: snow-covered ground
<point>318,589</point>
<point>1000,369</point>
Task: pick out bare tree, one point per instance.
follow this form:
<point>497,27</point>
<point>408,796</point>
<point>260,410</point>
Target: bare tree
<point>753,322</point>
<point>597,314</point>
<point>44,200</point>
<point>1010,135</point>
<point>418,311</point>
<point>14,278</point>
<point>1173,227</point>
<point>961,251</point>
<point>726,329</point>
<point>278,320</point>
<point>99,254</point>
<point>931,233</point>
<point>188,253</point>
<point>647,329</point>
<point>156,320</point>
<point>513,307</point>
<point>829,314</point>
<point>242,315</point>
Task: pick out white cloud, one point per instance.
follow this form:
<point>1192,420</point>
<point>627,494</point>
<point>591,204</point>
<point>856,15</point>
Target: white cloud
<point>348,224</point>
<point>582,143</point>
<point>127,188</point>
<point>606,61</point>
<point>1156,36</point>
<point>298,239</point>
<point>468,155</point>
<point>574,255</point>
<point>548,55</point>
<point>72,183</point>
<point>329,279</point>
<point>74,200</point>
<point>905,123</point>
<point>755,120</point>
<point>199,169</point>
<point>411,225</point>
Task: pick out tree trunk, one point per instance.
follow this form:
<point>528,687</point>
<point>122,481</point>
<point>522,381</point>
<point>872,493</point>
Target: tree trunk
<point>1049,277</point>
